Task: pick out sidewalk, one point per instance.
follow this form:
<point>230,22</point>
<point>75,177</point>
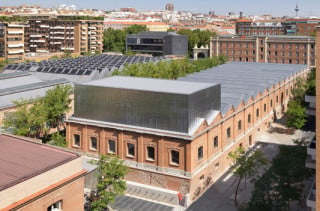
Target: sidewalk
<point>220,196</point>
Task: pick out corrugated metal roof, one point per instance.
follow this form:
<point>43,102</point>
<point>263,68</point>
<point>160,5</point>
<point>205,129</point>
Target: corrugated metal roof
<point>150,84</point>
<point>21,160</point>
<point>240,80</point>
<point>17,86</point>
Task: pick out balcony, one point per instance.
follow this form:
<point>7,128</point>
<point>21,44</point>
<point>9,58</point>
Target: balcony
<point>311,151</point>
<point>35,35</point>
<point>311,108</point>
<point>15,26</point>
<point>55,43</point>
<point>15,45</point>
<point>15,32</point>
<point>16,52</point>
<point>311,198</point>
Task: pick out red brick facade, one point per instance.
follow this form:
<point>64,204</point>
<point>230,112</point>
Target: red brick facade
<point>273,49</point>
<point>202,158</point>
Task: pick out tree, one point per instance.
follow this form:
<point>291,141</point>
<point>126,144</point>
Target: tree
<point>111,173</point>
<point>311,83</point>
<point>32,115</point>
<point>57,103</point>
<point>296,115</point>
<point>283,182</point>
<point>299,89</point>
<point>27,120</point>
<point>246,165</point>
<point>135,29</point>
<point>196,37</point>
<point>169,69</point>
<point>115,40</point>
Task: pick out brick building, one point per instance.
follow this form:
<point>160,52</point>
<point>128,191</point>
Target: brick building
<point>303,27</point>
<point>47,34</point>
<point>266,49</point>
<point>22,85</point>
<point>177,134</point>
<point>248,27</point>
<point>300,26</point>
<point>11,41</point>
<point>30,182</point>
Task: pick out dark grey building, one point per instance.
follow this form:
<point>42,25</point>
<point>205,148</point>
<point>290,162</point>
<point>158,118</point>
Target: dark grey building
<point>158,43</point>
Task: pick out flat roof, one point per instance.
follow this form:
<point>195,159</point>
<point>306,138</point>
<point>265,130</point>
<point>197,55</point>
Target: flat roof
<point>150,84</point>
<point>21,160</point>
<point>242,80</point>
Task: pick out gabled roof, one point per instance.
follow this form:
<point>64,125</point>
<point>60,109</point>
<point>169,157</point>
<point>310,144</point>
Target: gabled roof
<point>21,160</point>
<point>18,85</point>
<point>242,80</point>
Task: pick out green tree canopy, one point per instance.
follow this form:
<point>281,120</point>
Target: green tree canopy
<point>32,115</point>
<point>282,183</point>
<point>111,173</point>
<point>197,37</point>
<point>296,115</point>
<point>115,40</point>
<point>170,69</point>
<point>247,164</point>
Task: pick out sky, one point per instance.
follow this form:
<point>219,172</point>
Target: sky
<point>221,7</point>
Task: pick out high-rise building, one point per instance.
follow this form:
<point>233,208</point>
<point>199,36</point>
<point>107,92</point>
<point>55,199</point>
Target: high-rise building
<point>11,41</point>
<point>169,7</point>
<point>46,34</point>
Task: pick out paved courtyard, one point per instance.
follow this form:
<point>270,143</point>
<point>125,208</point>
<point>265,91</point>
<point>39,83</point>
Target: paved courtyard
<point>220,196</point>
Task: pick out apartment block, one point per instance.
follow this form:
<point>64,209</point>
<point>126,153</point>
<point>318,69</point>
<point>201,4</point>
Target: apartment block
<point>11,41</point>
<point>60,34</point>
<point>287,27</point>
<point>283,49</point>
<point>248,27</point>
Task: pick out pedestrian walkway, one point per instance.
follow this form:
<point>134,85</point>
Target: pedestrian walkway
<point>220,196</point>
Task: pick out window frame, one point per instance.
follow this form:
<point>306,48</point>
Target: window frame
<point>172,162</point>
<point>228,132</point>
<point>115,146</point>
<point>215,142</point>
<point>200,153</point>
<point>239,125</point>
<point>128,154</point>
<point>73,140</point>
<point>148,158</point>
<point>91,146</point>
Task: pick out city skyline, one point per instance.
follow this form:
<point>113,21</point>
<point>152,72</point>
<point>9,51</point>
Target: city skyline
<point>285,8</point>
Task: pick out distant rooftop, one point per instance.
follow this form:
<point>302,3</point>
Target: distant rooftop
<point>78,70</point>
<point>21,160</point>
<point>155,34</point>
<point>150,84</point>
<point>269,36</point>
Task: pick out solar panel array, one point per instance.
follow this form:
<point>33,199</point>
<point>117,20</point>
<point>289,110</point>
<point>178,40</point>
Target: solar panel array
<point>82,65</point>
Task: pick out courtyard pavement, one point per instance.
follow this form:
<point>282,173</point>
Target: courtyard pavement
<point>220,196</point>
